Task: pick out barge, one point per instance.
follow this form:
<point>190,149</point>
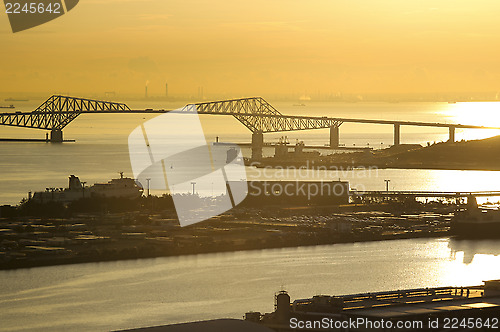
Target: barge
<point>476,222</point>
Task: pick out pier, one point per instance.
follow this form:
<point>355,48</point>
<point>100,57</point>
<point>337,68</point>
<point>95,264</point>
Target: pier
<point>402,310</point>
<point>32,140</point>
<point>415,194</point>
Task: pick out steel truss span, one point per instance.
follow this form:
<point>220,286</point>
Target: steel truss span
<point>259,116</point>
<point>58,111</point>
<point>254,113</point>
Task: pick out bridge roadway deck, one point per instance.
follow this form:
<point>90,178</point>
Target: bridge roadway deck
<point>345,120</point>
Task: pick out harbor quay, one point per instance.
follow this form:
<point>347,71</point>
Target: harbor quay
<point>149,228</point>
<point>474,308</point>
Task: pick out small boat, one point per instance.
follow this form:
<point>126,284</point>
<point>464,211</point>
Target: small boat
<point>476,222</point>
<point>10,106</point>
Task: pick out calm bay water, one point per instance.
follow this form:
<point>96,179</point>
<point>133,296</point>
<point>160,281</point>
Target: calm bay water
<point>101,150</point>
<point>127,294</point>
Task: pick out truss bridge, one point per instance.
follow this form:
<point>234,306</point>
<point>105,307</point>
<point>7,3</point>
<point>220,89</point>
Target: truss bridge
<point>254,113</point>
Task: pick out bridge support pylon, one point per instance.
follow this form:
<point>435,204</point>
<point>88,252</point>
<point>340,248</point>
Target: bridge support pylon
<point>56,136</point>
<point>452,134</point>
<point>397,134</point>
<point>334,137</point>
<point>257,145</point>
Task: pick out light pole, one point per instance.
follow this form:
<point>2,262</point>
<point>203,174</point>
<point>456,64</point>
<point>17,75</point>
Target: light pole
<point>387,185</point>
<point>148,179</point>
<point>149,194</point>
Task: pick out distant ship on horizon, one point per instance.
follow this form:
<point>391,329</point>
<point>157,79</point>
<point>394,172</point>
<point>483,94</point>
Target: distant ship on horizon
<point>13,99</point>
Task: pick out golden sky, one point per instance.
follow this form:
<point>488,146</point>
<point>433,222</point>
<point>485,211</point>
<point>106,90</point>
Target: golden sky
<point>258,47</point>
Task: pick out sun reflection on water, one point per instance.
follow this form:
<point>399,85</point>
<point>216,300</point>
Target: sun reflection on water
<point>462,181</point>
<point>474,113</point>
<point>472,262</point>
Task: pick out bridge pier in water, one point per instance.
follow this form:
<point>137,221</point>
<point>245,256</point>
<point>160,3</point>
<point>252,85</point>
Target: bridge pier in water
<point>56,136</point>
<point>257,145</point>
<point>334,137</point>
<point>397,134</point>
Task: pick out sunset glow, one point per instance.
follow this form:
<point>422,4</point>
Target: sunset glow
<point>259,47</point>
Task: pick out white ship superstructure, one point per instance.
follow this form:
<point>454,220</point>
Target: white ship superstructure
<point>122,187</point>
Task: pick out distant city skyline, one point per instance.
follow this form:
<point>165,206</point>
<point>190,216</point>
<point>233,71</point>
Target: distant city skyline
<point>200,95</point>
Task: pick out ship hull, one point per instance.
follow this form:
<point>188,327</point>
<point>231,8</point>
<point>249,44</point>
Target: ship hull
<point>483,230</point>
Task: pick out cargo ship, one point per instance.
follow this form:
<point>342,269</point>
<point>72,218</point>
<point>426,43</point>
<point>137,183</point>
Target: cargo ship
<point>476,222</point>
<point>122,187</point>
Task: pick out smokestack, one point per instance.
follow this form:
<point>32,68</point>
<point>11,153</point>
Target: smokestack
<point>146,90</point>
<point>166,89</point>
